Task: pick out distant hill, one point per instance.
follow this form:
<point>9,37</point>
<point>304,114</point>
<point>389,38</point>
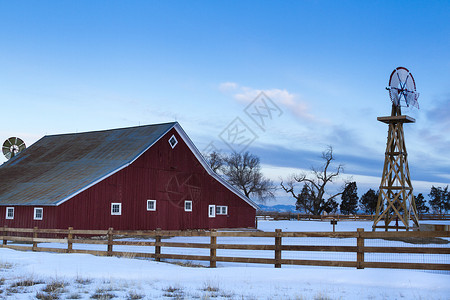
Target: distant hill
<point>278,208</point>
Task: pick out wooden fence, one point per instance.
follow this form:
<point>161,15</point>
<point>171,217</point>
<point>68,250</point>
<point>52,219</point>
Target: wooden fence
<point>434,217</point>
<point>272,215</point>
<point>29,239</point>
<point>298,216</point>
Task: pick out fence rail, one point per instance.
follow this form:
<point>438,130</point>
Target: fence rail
<point>272,215</point>
<point>110,239</point>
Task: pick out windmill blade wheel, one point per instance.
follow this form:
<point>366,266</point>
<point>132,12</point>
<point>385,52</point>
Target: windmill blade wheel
<point>12,147</point>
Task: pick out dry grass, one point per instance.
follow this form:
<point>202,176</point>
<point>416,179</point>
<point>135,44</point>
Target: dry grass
<point>83,281</point>
<point>103,294</point>
<point>227,295</point>
<point>55,287</point>
<point>6,266</point>
<point>45,296</point>
<point>173,292</point>
<point>21,286</point>
<point>26,282</point>
<point>210,289</point>
<point>127,255</point>
<point>321,296</point>
<point>189,264</point>
<point>52,290</point>
<point>134,296</point>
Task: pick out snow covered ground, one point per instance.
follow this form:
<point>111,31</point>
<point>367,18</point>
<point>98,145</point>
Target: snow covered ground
<point>31,275</point>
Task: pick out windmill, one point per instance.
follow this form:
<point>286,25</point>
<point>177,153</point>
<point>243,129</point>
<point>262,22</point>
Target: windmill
<point>396,198</point>
<point>12,146</point>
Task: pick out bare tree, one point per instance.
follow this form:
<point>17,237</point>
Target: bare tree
<point>314,198</point>
<point>215,161</point>
<point>244,172</point>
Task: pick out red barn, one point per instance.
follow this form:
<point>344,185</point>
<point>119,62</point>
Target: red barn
<point>137,178</point>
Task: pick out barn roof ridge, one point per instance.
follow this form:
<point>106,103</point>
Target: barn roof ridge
<point>108,130</point>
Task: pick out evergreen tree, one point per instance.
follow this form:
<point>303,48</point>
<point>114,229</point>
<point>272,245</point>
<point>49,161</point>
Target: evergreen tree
<point>349,204</point>
<point>421,204</point>
<point>304,199</point>
<point>369,202</point>
<point>439,199</point>
<point>331,206</point>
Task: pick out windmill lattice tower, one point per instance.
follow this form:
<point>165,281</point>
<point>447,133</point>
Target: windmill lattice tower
<point>396,199</point>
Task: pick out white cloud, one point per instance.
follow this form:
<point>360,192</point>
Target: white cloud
<point>290,101</point>
<point>228,86</point>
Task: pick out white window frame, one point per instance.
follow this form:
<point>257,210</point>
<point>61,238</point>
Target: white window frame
<point>35,216</point>
<point>221,210</point>
<point>176,141</point>
<point>224,210</point>
<point>211,211</point>
<point>7,215</point>
<point>116,213</point>
<point>154,205</point>
<point>188,202</point>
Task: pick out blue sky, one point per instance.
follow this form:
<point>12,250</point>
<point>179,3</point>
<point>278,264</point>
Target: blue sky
<point>91,65</point>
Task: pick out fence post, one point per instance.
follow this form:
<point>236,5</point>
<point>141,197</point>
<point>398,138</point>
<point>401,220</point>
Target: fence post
<point>110,239</point>
<point>69,240</point>
<point>277,248</point>
<point>5,234</point>
<point>158,244</point>
<point>213,248</point>
<point>35,235</point>
<point>360,248</point>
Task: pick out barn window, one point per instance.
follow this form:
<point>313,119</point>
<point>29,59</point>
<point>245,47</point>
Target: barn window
<point>221,210</point>
<point>151,205</point>
<point>38,213</point>
<point>211,211</point>
<point>188,205</point>
<point>10,213</point>
<point>224,210</point>
<point>116,209</point>
<point>173,141</point>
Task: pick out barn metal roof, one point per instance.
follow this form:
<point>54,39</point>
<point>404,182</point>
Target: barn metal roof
<point>57,167</point>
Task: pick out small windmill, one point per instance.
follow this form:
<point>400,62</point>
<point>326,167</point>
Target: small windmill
<point>12,146</point>
<point>396,198</point>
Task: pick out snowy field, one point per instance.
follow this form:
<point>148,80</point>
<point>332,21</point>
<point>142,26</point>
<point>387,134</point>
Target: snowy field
<point>31,275</point>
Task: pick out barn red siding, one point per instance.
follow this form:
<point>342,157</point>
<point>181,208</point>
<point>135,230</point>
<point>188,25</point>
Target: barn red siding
<point>169,176</point>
